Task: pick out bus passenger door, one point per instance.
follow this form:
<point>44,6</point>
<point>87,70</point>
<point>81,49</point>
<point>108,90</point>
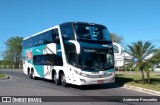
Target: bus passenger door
<point>71,59</point>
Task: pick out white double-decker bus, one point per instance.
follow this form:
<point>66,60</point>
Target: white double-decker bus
<point>70,53</point>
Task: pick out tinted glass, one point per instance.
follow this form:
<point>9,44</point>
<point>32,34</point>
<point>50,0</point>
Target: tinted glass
<point>47,37</point>
<point>96,58</point>
<point>92,32</point>
<point>71,57</point>
<point>48,59</point>
<point>41,39</point>
<point>67,31</point>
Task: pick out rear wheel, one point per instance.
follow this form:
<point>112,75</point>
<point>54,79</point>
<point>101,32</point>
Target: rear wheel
<point>33,75</point>
<point>30,75</point>
<point>63,80</point>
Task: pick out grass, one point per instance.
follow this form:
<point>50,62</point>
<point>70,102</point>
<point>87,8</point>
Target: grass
<point>2,75</point>
<point>136,80</point>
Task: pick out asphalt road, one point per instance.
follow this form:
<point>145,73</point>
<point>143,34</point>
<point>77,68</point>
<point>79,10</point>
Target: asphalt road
<point>20,85</point>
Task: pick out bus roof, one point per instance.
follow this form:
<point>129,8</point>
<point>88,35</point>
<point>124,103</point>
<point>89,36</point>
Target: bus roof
<point>86,23</point>
<point>40,32</point>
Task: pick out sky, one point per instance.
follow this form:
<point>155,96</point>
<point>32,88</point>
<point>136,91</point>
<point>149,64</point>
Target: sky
<point>134,20</point>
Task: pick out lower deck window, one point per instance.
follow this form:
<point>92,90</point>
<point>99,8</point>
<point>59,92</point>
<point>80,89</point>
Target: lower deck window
<point>48,59</point>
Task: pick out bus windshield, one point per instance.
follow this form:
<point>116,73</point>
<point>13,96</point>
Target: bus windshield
<point>96,58</point>
<point>92,32</point>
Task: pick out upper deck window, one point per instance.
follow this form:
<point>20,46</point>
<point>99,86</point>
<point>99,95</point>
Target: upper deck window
<point>67,31</point>
<point>92,32</point>
<point>41,39</point>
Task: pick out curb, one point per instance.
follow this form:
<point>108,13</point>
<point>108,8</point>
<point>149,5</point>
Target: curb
<point>153,92</point>
<point>6,77</point>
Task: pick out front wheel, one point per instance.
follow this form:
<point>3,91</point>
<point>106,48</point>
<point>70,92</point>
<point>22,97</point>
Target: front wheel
<point>56,80</point>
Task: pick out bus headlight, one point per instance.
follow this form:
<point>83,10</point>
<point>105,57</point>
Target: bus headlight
<point>80,73</point>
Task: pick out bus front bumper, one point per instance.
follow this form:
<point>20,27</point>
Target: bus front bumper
<point>94,81</point>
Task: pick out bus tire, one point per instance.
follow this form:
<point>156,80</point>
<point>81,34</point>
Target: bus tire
<point>56,80</point>
<point>30,75</point>
<point>33,75</point>
<point>63,80</point>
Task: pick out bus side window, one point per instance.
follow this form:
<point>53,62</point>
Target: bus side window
<point>47,37</point>
<point>40,39</point>
<point>67,32</point>
<point>55,36</point>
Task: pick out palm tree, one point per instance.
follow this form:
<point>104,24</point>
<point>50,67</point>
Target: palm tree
<point>116,38</point>
<point>155,60</point>
<point>141,50</point>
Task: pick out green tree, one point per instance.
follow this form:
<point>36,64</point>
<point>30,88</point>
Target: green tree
<point>116,38</point>
<point>155,60</point>
<point>141,50</point>
<point>13,50</point>
<point>5,62</point>
<point>152,62</point>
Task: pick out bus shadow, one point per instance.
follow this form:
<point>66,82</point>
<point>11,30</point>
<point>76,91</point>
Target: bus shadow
<point>95,87</point>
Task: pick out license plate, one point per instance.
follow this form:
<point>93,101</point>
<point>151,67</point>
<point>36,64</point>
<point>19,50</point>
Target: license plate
<point>100,81</point>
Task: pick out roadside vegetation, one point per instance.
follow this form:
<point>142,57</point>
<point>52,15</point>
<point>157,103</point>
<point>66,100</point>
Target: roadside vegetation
<point>12,54</point>
<point>144,58</point>
<point>134,79</point>
<point>2,75</point>
<point>141,58</point>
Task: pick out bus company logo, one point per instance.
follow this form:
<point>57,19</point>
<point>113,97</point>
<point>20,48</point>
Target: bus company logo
<point>6,99</point>
<point>99,69</point>
<point>29,55</point>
